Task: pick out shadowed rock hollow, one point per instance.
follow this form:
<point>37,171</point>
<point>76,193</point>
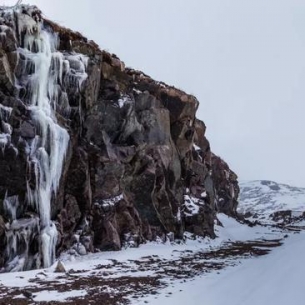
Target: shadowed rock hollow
<point>137,163</point>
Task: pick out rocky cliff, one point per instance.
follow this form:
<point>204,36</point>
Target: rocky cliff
<point>94,155</point>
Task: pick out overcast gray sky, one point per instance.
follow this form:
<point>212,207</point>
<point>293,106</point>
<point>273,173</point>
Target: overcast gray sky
<point>243,59</point>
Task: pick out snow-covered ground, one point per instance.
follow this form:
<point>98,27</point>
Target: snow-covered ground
<point>274,279</point>
<point>154,270</point>
<point>245,265</point>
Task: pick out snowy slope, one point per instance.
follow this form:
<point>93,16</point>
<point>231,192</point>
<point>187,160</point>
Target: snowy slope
<point>259,199</point>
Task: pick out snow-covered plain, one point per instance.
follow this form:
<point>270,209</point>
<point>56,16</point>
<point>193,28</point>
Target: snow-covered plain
<point>152,272</point>
<point>275,279</point>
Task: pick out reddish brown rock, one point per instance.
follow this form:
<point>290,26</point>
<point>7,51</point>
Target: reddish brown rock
<point>227,189</point>
<point>138,165</point>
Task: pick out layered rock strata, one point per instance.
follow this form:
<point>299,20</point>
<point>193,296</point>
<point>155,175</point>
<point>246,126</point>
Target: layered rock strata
<point>94,155</point>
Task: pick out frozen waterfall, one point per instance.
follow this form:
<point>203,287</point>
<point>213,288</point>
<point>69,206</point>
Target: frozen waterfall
<point>46,73</point>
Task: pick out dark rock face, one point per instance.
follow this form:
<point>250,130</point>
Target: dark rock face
<point>227,189</point>
<point>138,164</point>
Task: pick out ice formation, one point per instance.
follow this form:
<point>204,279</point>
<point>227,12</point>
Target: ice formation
<point>45,73</point>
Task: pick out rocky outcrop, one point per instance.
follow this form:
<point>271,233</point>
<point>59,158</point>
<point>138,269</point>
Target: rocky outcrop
<point>226,185</point>
<point>137,163</point>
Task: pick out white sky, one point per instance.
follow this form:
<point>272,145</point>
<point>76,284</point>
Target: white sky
<point>243,59</point>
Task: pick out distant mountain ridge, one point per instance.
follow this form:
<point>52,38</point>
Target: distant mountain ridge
<point>262,200</point>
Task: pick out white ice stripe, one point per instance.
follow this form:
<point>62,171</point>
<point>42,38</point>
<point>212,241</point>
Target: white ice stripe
<point>49,152</point>
<point>6,110</point>
<point>46,69</point>
<point>11,204</point>
<point>4,141</point>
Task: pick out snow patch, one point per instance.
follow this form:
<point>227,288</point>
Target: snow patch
<point>196,147</point>
<point>192,205</point>
<point>112,201</point>
<point>54,295</point>
<point>123,101</point>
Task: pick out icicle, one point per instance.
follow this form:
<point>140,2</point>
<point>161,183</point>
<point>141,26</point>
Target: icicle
<point>4,141</point>
<point>48,151</point>
<point>5,136</point>
<point>10,205</point>
<point>5,112</point>
<point>19,235</point>
<point>45,73</point>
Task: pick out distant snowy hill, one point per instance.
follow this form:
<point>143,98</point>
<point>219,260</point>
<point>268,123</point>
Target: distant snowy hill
<point>264,200</point>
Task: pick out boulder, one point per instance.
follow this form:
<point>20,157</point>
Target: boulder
<point>60,268</point>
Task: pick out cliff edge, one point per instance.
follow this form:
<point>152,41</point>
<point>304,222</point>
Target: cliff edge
<point>94,155</point>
